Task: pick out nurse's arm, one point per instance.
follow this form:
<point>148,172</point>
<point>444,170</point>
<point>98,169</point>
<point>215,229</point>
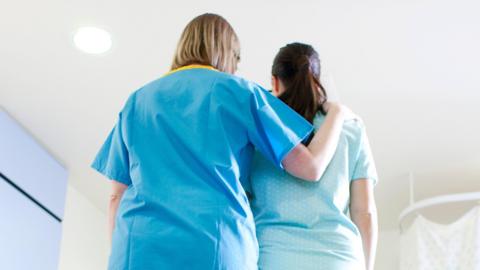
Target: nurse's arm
<point>309,163</point>
<point>363,212</point>
<point>117,192</point>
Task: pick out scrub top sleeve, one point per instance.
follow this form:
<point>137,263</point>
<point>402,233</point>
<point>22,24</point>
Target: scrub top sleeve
<point>365,165</point>
<point>112,160</point>
<point>275,129</point>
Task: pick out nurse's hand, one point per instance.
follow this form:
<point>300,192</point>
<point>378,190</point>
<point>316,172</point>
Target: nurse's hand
<point>342,110</point>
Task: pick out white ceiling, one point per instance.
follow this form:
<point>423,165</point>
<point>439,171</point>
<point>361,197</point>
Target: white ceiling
<point>409,68</point>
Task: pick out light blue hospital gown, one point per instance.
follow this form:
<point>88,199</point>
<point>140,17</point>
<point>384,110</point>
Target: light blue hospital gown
<point>305,225</point>
<point>182,144</point>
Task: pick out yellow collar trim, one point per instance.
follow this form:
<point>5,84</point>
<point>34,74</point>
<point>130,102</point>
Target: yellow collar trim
<point>189,67</point>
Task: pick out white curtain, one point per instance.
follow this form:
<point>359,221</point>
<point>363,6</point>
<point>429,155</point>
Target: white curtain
<point>427,245</point>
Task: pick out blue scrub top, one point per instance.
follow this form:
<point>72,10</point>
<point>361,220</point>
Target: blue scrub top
<point>306,225</point>
<point>183,144</point>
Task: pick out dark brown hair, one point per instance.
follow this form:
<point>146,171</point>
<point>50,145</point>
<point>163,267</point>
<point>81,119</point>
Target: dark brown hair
<point>297,66</point>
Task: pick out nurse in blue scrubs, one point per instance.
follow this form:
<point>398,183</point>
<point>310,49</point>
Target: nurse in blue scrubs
<point>181,148</point>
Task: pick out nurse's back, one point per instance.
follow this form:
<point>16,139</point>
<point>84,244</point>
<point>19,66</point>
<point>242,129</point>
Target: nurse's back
<point>187,140</point>
<point>188,128</point>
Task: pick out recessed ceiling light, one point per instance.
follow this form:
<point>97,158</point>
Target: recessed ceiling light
<point>92,40</point>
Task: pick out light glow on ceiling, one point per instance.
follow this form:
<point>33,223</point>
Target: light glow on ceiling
<point>92,40</point>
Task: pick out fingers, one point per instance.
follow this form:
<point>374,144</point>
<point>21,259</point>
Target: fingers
<point>347,113</point>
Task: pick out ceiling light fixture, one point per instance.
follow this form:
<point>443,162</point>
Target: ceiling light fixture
<point>92,40</point>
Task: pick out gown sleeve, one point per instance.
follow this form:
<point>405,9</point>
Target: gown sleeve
<point>274,129</point>
<point>113,160</point>
<point>364,165</point>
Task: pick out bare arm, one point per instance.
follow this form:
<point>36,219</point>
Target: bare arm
<point>310,162</point>
<point>117,192</point>
<point>363,212</point>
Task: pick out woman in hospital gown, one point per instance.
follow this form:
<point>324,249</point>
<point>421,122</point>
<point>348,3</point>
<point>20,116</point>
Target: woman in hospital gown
<point>324,225</point>
<point>180,149</point>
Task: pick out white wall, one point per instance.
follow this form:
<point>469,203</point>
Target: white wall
<point>85,239</point>
<point>388,251</point>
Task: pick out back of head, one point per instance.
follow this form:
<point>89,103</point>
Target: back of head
<point>208,40</point>
<point>297,66</point>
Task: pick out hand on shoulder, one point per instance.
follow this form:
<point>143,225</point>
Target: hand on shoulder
<point>342,111</point>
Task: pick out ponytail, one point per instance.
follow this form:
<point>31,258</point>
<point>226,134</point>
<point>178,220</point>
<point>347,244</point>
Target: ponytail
<point>297,66</point>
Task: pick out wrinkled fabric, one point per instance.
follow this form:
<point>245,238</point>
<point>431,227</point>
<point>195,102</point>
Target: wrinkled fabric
<point>427,245</point>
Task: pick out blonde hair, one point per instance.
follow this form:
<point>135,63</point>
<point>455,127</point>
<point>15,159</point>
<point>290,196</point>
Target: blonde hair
<point>208,40</point>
